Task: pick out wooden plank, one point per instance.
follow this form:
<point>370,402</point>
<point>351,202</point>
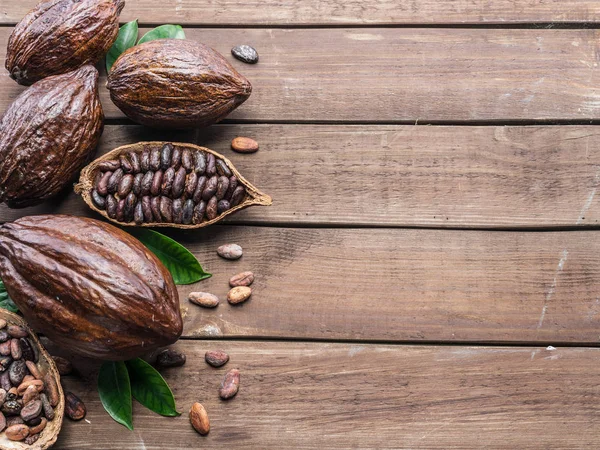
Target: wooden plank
<point>307,395</point>
<point>339,12</point>
<point>400,175</point>
<point>401,285</point>
<point>391,75</point>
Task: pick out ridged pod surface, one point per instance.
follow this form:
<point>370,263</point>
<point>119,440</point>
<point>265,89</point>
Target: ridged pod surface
<point>175,83</point>
<point>47,135</point>
<point>58,36</point>
<point>89,286</point>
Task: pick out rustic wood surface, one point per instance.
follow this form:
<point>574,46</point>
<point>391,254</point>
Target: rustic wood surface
<point>404,75</point>
<point>341,12</point>
<point>310,395</point>
<point>399,175</point>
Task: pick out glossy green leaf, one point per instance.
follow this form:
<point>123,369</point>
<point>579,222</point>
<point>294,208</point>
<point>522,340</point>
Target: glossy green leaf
<point>150,389</point>
<point>184,267</point>
<point>115,392</point>
<point>126,38</point>
<point>5,301</point>
<point>163,32</point>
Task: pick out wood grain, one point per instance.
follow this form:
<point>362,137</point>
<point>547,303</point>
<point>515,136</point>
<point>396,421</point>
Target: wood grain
<point>341,12</point>
<point>399,175</point>
<point>407,75</point>
<point>401,285</point>
<point>307,395</point>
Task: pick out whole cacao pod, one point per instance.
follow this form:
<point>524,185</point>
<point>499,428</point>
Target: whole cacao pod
<point>47,135</point>
<point>175,83</point>
<point>89,286</point>
<point>58,36</point>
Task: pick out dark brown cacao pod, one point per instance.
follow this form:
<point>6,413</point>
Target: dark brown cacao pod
<point>47,135</point>
<point>89,286</point>
<point>58,36</point>
<point>176,83</point>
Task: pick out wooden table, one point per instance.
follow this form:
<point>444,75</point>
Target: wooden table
<point>429,273</point>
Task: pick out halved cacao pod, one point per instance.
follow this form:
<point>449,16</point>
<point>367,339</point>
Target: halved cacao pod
<point>175,83</point>
<point>47,135</point>
<point>164,184</point>
<point>46,365</point>
<point>58,36</point>
<point>89,286</point>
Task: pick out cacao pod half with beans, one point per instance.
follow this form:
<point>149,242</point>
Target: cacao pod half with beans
<point>164,184</point>
<point>89,286</point>
<point>58,36</point>
<point>175,83</point>
<point>47,135</point>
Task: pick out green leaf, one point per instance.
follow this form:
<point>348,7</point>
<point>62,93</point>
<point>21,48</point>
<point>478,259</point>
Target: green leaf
<point>150,389</point>
<point>163,32</point>
<point>126,38</point>
<point>5,301</point>
<point>115,392</point>
<point>184,266</point>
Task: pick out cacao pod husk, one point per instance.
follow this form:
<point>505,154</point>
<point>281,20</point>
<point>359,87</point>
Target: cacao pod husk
<point>89,286</point>
<point>58,36</point>
<point>111,160</point>
<point>175,83</point>
<point>47,135</point>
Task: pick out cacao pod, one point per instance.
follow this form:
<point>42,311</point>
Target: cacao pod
<point>175,83</point>
<point>164,184</point>
<point>47,135</point>
<point>58,36</point>
<point>89,286</point>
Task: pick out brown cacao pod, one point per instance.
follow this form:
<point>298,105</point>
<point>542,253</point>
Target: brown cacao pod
<point>89,286</point>
<point>47,135</point>
<point>175,83</point>
<point>58,36</point>
<point>185,197</point>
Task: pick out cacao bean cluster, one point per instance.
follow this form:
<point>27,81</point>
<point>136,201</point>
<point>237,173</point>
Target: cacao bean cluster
<point>166,185</point>
<point>28,396</point>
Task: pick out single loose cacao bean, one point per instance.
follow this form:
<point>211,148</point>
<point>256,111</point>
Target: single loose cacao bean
<point>211,167</point>
<point>170,358</point>
<point>230,384</point>
<point>114,180</point>
<point>31,410</point>
<point>15,349</point>
<point>204,299</point>
<point>211,188</point>
<point>135,162</point>
<point>222,186</point>
<point>230,251</point>
<point>199,419</point>
<point>17,432</point>
<point>39,385</point>
<point>223,206</point>
<point>125,185</point>
<point>179,182</point>
<point>137,183</point>
<point>239,294</point>
<point>237,196</point>
<point>176,158</point>
<point>199,163</point>
<point>188,211</point>
<point>11,408</point>
<point>165,156</point>
<point>111,206</point>
<point>17,372</point>
<point>245,53</point>
<point>155,159</point>
<point>5,348</point>
<point>156,183</point>
<point>4,336</point>
<point>74,407</point>
<point>186,160</point>
<point>200,189</point>
<point>211,208</point>
<point>241,279</point>
<point>147,209</point>
<point>145,160</point>
<point>32,439</point>
<point>31,393</point>
<point>51,390</point>
<point>125,164</point>
<point>166,209</point>
<point>177,210</point>
<point>109,165</point>
<point>244,145</point>
<point>216,358</point>
<point>16,331</point>
<point>98,200</point>
<point>199,211</point>
<point>222,168</point>
<point>102,185</point>
<point>63,365</point>
<point>47,407</point>
<point>5,381</point>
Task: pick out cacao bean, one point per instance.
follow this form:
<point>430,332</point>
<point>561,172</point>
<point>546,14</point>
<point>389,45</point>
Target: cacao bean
<point>245,53</point>
<point>5,381</point>
<point>145,160</point>
<point>167,183</point>
<point>199,419</point>
<point>2,422</point>
<point>32,438</point>
<point>156,183</point>
<point>241,279</point>
<point>155,205</point>
<point>135,162</point>
<point>188,211</point>
<point>130,203</point>
<point>211,167</point>
<point>190,184</point>
<point>63,365</point>
<point>51,390</point>
<point>33,422</point>
<point>47,407</point>
<point>31,393</point>
<point>17,372</point>
<point>5,348</point>
<point>237,196</point>
<point>102,185</point>
<point>138,213</point>
<point>230,384</point>
<point>111,206</point>
<point>176,158</point>
<point>114,181</point>
<point>170,358</point>
<point>110,165</point>
<point>223,206</point>
<point>11,408</point>
<point>98,200</point>
<point>4,336</point>
<point>166,209</point>
<point>204,299</point>
<point>244,145</point>
<point>5,361</point>
<point>147,209</point>
<point>125,164</point>
<point>155,154</point>
<point>2,396</point>
<point>14,420</point>
<point>125,186</point>
<point>186,160</point>
<point>165,156</point>
<point>199,163</point>
<point>27,349</point>
<point>16,331</point>
<point>13,393</point>
<point>199,211</point>
<point>15,349</point>
<point>222,169</point>
<point>230,251</point>
<point>177,210</point>
<point>211,208</point>
<point>147,179</point>
<point>222,186</point>
<point>239,294</point>
<point>199,189</point>
<point>216,358</point>
<point>211,188</point>
<point>74,407</point>
<point>31,410</point>
<point>34,430</point>
<point>17,432</point>
<point>233,183</point>
<point>137,184</point>
<point>39,385</point>
<point>179,182</point>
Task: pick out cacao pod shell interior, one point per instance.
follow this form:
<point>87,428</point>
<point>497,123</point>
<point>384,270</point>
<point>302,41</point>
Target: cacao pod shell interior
<point>47,135</point>
<point>90,175</point>
<point>58,36</point>
<point>90,287</point>
<point>175,83</point>
<point>46,365</point>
